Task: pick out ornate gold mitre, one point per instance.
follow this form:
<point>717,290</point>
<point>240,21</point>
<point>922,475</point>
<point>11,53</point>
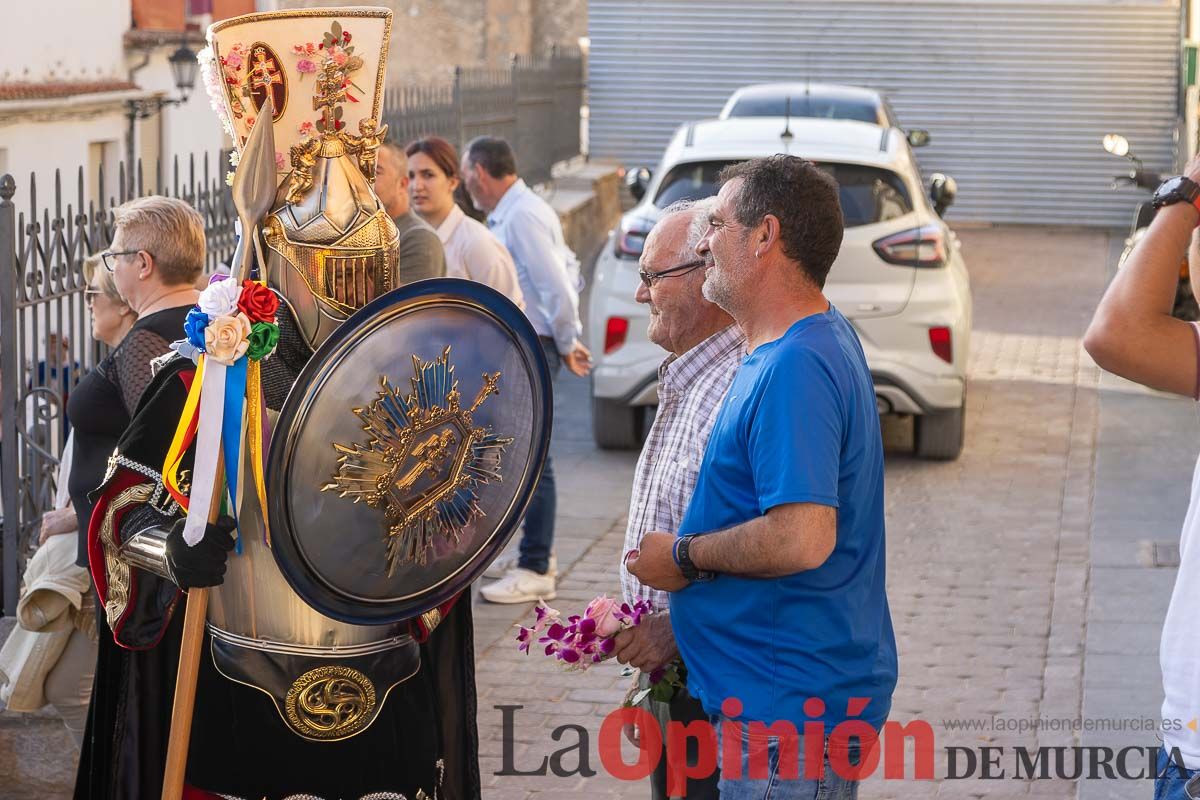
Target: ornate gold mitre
<point>330,246</point>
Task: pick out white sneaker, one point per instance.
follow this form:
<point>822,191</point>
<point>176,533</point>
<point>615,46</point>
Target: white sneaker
<point>507,562</point>
<point>520,586</point>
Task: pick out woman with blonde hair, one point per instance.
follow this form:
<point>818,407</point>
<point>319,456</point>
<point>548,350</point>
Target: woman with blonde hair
<point>472,251</point>
<point>94,410</point>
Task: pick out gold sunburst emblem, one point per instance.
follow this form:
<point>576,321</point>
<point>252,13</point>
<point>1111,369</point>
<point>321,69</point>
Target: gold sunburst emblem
<point>423,461</point>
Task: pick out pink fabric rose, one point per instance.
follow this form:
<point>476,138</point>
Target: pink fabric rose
<point>338,55</point>
<point>306,65</point>
<point>603,610</point>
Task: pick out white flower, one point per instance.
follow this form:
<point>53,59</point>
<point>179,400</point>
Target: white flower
<point>220,298</point>
<point>214,78</point>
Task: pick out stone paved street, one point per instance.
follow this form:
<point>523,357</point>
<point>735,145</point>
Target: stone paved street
<point>987,555</point>
<point>1018,580</point>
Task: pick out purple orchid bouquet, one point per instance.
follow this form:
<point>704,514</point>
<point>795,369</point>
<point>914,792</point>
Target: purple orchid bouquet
<point>582,640</point>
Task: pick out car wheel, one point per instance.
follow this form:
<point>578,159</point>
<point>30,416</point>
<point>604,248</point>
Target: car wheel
<point>615,425</point>
<point>939,435</point>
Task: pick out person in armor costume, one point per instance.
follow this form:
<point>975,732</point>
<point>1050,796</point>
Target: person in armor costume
<point>290,702</point>
<point>423,740</point>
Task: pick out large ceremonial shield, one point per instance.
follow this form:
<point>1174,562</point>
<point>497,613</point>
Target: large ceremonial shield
<point>407,451</point>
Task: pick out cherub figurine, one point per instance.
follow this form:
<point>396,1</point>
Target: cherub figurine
<point>366,145</point>
<point>304,158</point>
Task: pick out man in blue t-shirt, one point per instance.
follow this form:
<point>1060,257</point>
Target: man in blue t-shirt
<point>777,571</point>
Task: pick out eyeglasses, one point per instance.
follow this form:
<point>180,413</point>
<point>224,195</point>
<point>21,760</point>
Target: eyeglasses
<point>89,295</point>
<point>110,257</point>
<point>650,278</point>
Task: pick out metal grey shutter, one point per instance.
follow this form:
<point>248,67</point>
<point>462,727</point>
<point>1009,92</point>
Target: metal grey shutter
<point>1016,95</point>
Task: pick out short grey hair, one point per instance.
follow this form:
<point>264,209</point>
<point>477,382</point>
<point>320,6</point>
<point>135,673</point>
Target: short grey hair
<point>397,152</point>
<point>698,209</point>
<point>168,229</point>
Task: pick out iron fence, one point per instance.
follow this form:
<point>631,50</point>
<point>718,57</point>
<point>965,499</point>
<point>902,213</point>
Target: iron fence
<point>46,344</point>
<point>534,104</point>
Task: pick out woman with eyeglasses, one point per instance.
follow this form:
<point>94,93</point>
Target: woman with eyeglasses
<point>97,408</point>
<point>472,251</point>
<point>98,419</point>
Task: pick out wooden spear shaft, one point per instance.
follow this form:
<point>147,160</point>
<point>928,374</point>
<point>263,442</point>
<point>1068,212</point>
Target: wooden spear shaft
<point>195,614</point>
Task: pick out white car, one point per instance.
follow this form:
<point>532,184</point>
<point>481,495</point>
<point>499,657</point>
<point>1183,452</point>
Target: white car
<point>899,278</point>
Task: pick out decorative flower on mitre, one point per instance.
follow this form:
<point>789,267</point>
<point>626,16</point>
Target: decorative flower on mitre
<point>213,76</point>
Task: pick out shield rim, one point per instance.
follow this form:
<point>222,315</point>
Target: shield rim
<point>306,581</point>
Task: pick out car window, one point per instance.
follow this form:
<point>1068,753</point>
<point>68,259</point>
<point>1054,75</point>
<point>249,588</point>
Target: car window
<point>808,106</point>
<point>867,194</point>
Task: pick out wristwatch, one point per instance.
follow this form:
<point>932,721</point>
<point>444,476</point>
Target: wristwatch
<point>684,561</point>
<point>1179,189</point>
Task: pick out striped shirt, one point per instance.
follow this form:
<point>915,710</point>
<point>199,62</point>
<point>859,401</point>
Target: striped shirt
<point>690,390</point>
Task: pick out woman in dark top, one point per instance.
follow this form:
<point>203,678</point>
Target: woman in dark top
<point>96,409</point>
<point>103,403</point>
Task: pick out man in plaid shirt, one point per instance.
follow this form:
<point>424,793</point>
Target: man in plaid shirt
<point>705,349</point>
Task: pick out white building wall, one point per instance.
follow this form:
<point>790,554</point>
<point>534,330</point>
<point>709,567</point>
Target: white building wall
<point>63,39</point>
<point>88,44</point>
<point>39,147</point>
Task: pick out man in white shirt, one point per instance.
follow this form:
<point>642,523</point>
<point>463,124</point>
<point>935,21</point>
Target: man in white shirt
<point>549,276</point>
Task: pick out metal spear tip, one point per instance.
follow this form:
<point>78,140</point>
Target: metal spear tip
<point>255,183</point>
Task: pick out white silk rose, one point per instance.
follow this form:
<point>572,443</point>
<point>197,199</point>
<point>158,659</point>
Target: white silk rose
<point>219,299</point>
<point>227,338</point>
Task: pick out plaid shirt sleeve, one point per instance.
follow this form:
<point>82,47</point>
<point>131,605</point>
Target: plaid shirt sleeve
<point>691,389</point>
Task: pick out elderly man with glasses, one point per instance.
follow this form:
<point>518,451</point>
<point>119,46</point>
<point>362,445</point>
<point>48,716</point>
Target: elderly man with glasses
<point>705,349</point>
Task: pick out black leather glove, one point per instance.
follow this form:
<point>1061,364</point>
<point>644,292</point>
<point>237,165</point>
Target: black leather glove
<point>203,564</point>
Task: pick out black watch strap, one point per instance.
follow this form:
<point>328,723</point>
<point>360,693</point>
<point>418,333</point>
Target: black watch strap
<point>684,559</point>
<point>1177,189</point>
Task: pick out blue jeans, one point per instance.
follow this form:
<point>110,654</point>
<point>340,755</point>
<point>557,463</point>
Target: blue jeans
<point>539,517</point>
<point>746,785</point>
<point>1170,781</point>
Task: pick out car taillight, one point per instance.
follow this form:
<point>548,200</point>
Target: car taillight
<point>940,341</point>
<point>630,239</point>
<point>614,333</point>
<point>917,247</point>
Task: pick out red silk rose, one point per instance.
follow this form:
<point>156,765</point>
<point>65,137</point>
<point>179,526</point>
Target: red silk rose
<point>257,302</point>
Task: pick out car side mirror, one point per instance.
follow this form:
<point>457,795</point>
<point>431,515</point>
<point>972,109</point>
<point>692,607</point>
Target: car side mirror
<point>918,138</point>
<point>638,180</point>
<point>942,191</point>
